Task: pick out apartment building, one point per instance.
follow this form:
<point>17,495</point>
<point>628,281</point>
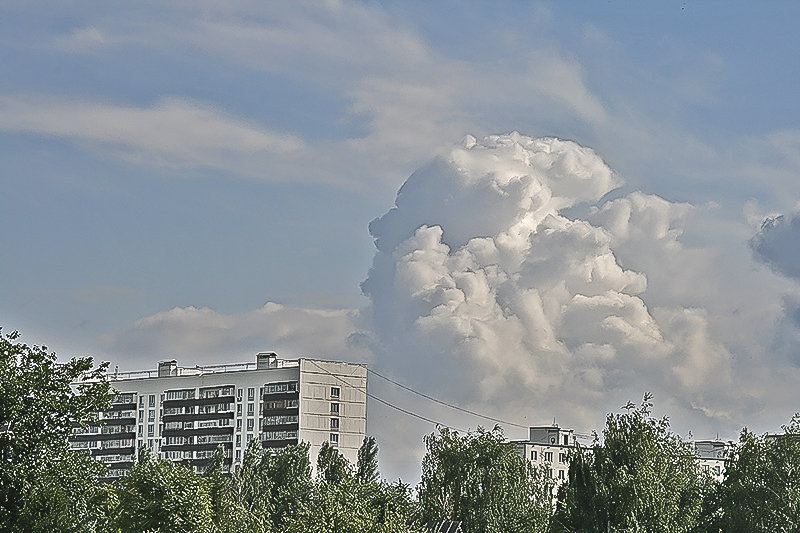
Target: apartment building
<point>185,413</point>
<point>711,456</point>
<point>551,446</point>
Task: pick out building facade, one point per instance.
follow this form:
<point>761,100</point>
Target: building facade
<point>711,456</point>
<point>185,414</point>
<point>551,446</point>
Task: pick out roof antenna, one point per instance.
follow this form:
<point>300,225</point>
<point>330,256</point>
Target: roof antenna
<point>554,421</point>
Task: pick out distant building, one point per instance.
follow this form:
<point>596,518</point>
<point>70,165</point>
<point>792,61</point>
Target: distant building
<point>549,446</point>
<point>184,414</point>
<point>711,456</point>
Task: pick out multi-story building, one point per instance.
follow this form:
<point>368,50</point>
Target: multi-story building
<point>549,446</point>
<point>185,414</point>
<point>711,456</point>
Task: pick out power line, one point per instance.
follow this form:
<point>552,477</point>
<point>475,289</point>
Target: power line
<point>384,402</point>
<point>451,406</point>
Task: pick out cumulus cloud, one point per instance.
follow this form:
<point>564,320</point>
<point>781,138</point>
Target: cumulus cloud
<point>172,132</point>
<point>777,243</point>
<point>202,335</point>
<point>485,289</point>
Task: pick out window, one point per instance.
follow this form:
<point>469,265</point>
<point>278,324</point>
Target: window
<point>560,474</point>
<point>334,423</point>
<point>238,441</point>
<point>251,409</point>
<point>566,440</point>
<point>151,430</point>
<point>250,424</point>
<point>334,407</point>
<point>238,455</point>
<point>238,424</point>
<point>533,455</point>
<point>335,392</point>
<point>333,438</point>
<point>251,394</point>
<point>550,472</point>
<point>562,457</point>
<point>141,401</point>
<point>548,457</point>
<point>141,416</point>
<point>141,428</point>
<point>239,409</point>
<point>152,400</point>
<point>280,419</point>
<point>239,394</point>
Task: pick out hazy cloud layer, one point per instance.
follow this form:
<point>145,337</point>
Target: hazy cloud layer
<point>206,336</point>
<point>173,132</point>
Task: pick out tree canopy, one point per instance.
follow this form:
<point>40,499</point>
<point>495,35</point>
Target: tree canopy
<point>41,481</point>
<point>641,477</point>
<point>482,481</point>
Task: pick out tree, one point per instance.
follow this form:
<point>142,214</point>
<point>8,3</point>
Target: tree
<point>641,478</point>
<point>483,481</point>
<point>251,492</point>
<point>367,467</point>
<point>161,495</point>
<point>41,480</point>
<point>332,467</point>
<point>761,488</point>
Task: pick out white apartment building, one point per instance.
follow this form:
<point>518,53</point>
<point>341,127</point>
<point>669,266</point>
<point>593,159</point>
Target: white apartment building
<point>184,414</point>
<point>551,446</point>
<point>711,456</point>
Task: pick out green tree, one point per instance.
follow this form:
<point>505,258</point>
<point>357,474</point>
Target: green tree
<point>161,495</point>
<point>367,466</point>
<point>42,483</point>
<point>332,467</point>
<point>251,492</point>
<point>761,488</point>
<point>484,482</point>
<point>641,478</point>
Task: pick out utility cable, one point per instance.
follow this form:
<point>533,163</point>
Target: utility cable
<point>384,402</point>
<point>451,406</point>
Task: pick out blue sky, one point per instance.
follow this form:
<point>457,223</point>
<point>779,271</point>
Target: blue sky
<point>168,171</point>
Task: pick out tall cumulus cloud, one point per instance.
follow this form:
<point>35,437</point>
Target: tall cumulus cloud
<point>487,288</point>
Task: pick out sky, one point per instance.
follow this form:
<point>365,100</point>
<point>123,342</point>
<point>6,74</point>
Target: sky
<point>532,210</point>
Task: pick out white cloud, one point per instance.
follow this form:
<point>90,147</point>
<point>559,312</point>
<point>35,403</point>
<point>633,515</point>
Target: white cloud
<point>777,243</point>
<point>483,290</point>
<point>172,132</point>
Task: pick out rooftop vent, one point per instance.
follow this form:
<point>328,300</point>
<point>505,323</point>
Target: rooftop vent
<point>167,368</point>
<point>266,360</point>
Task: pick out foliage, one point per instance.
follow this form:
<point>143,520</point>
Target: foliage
<point>332,467</point>
<point>761,488</point>
<point>642,478</point>
<point>367,466</point>
<point>42,483</point>
<point>161,495</point>
<point>483,481</point>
